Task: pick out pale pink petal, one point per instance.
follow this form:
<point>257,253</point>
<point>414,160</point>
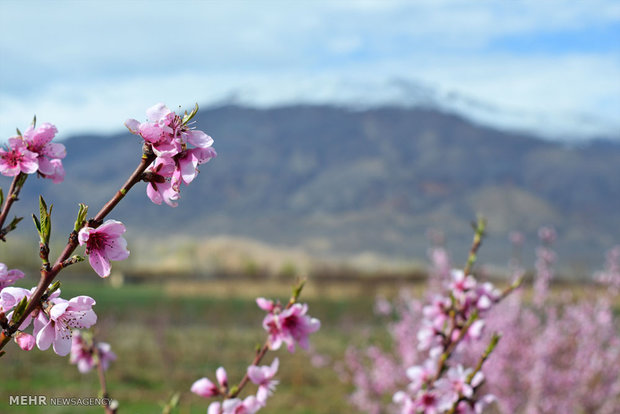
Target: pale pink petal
<point>84,235</point>
<point>157,112</point>
<point>55,150</point>
<point>100,264</point>
<point>256,374</point>
<point>153,194</point>
<point>118,249</point>
<point>45,166</point>
<point>112,227</point>
<point>199,139</point>
<point>132,125</point>
<point>62,344</point>
<point>265,304</point>
<point>204,154</point>
<point>58,310</point>
<point>45,336</point>
<point>214,408</point>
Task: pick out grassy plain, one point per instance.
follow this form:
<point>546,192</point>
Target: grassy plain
<point>170,333</point>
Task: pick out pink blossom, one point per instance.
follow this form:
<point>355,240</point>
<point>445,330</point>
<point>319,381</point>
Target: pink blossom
<point>263,377</point>
<point>454,385</point>
<point>63,316</point>
<point>10,297</point>
<point>290,325</point>
<point>17,159</point>
<point>428,402</point>
<point>104,244</point>
<point>8,277</point>
<point>162,185</point>
<point>82,353</point>
<point>222,377</point>
<point>205,388</point>
<point>165,131</point>
<point>187,163</point>
<point>235,406</point>
<point>407,405</point>
<point>24,341</point>
<point>58,172</point>
<point>420,375</point>
<point>461,283</point>
<point>48,153</point>
<point>266,304</point>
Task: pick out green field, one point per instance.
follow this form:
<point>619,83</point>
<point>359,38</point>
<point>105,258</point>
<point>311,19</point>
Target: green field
<point>166,338</point>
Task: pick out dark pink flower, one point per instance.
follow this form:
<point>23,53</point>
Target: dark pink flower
<point>24,341</point>
<point>103,244</point>
<point>290,325</point>
<point>17,159</point>
<point>162,185</point>
<point>48,153</point>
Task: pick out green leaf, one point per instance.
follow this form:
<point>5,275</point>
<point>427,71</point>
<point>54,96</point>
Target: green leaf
<point>19,310</point>
<point>45,227</point>
<point>1,197</point>
<point>34,121</point>
<point>81,216</point>
<point>188,117</point>
<point>37,224</point>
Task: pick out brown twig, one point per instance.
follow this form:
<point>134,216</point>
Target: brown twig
<point>479,228</point>
<point>48,275</point>
<point>102,383</point>
<point>11,197</point>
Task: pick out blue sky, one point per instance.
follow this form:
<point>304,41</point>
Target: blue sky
<point>549,66</point>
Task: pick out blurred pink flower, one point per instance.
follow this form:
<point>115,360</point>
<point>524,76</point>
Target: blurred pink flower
<point>263,377</point>
<point>205,388</point>
<point>103,244</point>
<point>8,277</point>
<point>82,353</point>
<point>235,406</point>
<point>290,325</point>
<point>24,341</point>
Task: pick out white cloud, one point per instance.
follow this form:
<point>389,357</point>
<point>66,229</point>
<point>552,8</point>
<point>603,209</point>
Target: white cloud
<point>90,65</point>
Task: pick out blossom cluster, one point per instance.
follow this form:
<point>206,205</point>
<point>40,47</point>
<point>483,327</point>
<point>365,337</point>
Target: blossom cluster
<point>449,321</point>
<point>555,355</point>
<point>289,325</point>
<point>262,376</point>
<point>53,322</point>
<point>32,152</point>
<point>170,137</point>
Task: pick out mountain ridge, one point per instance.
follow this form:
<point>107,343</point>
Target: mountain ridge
<point>339,182</point>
